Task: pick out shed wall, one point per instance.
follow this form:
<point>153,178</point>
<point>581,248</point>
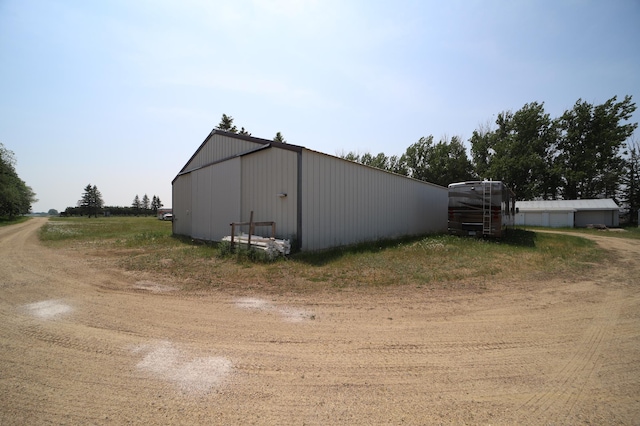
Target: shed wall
<point>181,202</point>
<point>561,219</point>
<point>265,175</point>
<point>599,217</point>
<point>218,147</point>
<point>346,203</point>
<point>529,218</point>
<point>215,194</point>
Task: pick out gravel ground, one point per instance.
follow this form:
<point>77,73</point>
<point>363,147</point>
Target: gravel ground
<point>80,344</point>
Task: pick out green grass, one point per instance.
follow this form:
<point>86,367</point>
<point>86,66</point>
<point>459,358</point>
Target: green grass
<point>427,262</point>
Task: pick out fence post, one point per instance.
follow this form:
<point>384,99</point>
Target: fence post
<point>250,229</point>
<point>233,233</point>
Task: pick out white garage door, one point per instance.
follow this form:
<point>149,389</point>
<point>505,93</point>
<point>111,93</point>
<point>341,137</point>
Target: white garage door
<point>593,218</point>
<point>559,220</point>
<point>533,219</point>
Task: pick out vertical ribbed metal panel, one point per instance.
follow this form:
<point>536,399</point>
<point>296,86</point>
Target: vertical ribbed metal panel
<point>215,199</point>
<point>265,175</point>
<point>346,203</point>
<point>201,204</point>
<point>181,205</point>
<point>219,147</point>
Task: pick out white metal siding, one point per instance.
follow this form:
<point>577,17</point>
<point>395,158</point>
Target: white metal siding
<point>219,147</point>
<point>216,200</point>
<point>181,202</point>
<point>559,220</point>
<point>345,203</point>
<point>532,218</point>
<point>265,175</point>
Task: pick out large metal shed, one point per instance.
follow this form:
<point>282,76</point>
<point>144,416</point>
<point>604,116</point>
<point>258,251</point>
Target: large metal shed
<point>317,201</point>
<point>568,213</point>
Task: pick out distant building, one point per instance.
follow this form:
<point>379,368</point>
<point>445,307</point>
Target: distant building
<point>317,201</point>
<point>568,213</point>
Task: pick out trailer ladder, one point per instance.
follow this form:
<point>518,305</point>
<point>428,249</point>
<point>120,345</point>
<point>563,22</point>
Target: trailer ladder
<point>486,208</point>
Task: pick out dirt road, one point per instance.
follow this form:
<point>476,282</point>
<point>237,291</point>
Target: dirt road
<point>86,345</point>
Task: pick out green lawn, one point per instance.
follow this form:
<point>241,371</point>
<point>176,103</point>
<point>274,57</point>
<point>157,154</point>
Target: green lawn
<point>146,244</point>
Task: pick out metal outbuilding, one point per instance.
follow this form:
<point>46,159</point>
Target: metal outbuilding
<point>568,213</point>
<point>317,200</point>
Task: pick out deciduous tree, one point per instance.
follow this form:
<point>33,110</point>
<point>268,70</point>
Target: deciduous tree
<point>442,163</point>
<point>518,151</point>
<point>631,181</point>
<point>590,147</point>
<point>15,196</point>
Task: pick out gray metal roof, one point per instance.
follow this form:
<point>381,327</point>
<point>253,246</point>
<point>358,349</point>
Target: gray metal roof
<point>567,205</point>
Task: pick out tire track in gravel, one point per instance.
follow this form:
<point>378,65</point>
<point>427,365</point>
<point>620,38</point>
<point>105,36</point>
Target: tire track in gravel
<point>568,384</point>
<point>86,343</point>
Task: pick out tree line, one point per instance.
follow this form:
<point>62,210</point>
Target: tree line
<point>587,152</point>
<point>15,196</point>
<point>92,204</point>
<point>226,125</point>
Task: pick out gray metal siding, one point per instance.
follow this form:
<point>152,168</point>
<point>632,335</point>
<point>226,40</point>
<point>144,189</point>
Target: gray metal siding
<point>181,202</point>
<point>345,203</point>
<point>216,200</point>
<point>605,217</point>
<point>219,147</point>
<point>266,174</point>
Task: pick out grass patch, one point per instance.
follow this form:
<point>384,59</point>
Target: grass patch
<point>6,220</point>
<point>428,262</point>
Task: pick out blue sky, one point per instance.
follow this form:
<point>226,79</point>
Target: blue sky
<point>120,93</point>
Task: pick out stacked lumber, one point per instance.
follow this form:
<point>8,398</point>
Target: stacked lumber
<point>273,246</point>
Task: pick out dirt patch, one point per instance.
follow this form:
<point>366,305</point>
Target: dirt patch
<point>558,350</point>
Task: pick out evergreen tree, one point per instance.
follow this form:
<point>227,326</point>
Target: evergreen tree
<point>155,204</point>
<point>145,202</point>
<point>226,124</point>
<point>91,201</point>
<point>137,204</point>
<point>279,138</point>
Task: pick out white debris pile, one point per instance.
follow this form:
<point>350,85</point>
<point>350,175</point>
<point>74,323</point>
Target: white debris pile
<point>273,246</point>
